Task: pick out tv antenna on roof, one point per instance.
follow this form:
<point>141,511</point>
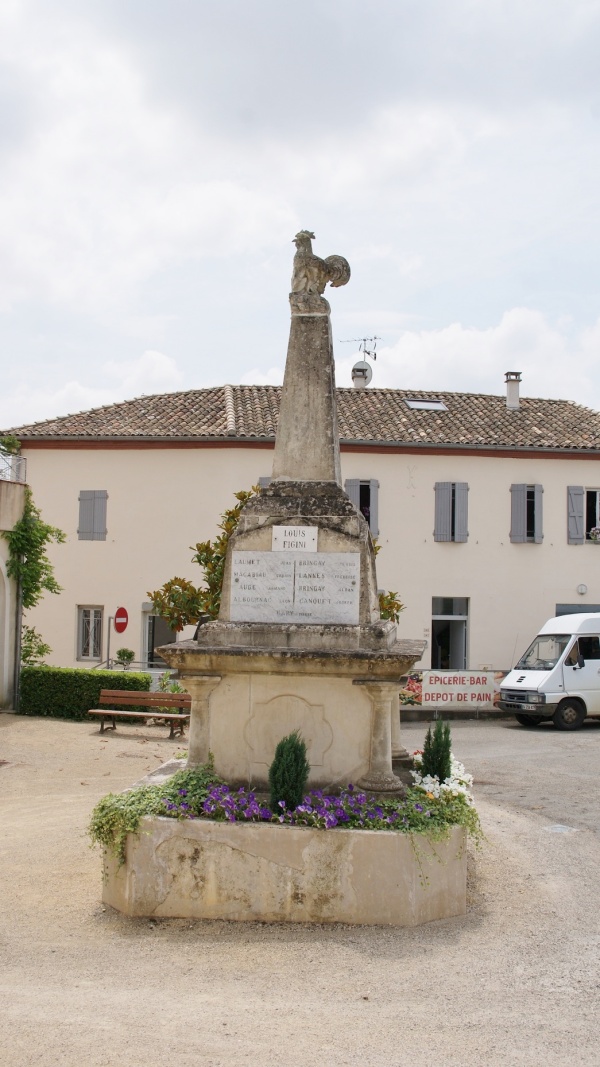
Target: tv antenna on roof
<point>361,371</point>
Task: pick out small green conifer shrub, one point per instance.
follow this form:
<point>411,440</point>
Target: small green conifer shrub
<point>437,752</point>
<point>288,773</point>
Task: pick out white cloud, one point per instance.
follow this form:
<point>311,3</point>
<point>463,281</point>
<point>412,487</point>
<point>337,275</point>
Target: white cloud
<point>150,194</point>
<point>256,376</point>
<point>152,372</point>
<point>462,359</point>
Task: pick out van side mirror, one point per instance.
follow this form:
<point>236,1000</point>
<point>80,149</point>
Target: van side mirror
<point>580,661</point>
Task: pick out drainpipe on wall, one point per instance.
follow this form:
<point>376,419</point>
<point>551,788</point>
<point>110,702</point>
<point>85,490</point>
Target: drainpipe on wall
<point>512,379</point>
<point>18,626</point>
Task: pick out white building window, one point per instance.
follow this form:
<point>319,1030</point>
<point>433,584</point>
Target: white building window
<point>583,513</point>
<point>526,514</point>
<point>364,494</point>
<point>92,515</point>
<point>89,633</point>
<point>451,511</point>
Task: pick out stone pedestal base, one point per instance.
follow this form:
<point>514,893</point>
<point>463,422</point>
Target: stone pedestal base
<point>245,700</point>
<point>207,870</point>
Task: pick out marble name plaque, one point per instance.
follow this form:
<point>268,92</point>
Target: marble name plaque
<point>295,538</point>
<point>320,587</point>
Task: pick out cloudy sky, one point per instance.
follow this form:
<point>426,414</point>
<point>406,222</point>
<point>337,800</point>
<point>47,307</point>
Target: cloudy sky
<point>158,156</point>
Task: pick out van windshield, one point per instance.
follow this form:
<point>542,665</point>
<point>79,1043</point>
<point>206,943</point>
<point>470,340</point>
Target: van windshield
<point>544,653</point>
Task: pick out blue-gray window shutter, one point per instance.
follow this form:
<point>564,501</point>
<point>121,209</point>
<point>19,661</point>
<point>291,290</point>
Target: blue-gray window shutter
<point>443,512</point>
<point>352,487</point>
<point>92,515</point>
<point>575,514</point>
<point>518,514</point>
<point>85,530</point>
<point>538,525</point>
<point>461,511</point>
<point>264,482</point>
<point>374,508</point>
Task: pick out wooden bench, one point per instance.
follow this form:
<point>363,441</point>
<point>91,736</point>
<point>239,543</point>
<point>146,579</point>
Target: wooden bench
<point>156,703</point>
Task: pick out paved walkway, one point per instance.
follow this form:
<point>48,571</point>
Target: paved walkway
<point>516,981</point>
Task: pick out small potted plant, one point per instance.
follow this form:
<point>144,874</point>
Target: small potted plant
<point>595,535</point>
<point>125,657</point>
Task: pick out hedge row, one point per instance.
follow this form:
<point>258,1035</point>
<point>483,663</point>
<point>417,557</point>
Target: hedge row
<point>67,693</point>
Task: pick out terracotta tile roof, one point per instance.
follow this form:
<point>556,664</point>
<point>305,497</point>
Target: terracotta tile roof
<point>370,416</point>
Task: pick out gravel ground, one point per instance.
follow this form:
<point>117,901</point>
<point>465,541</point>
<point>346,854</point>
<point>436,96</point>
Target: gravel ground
<point>516,981</point>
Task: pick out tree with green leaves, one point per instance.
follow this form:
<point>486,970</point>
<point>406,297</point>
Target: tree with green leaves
<point>179,601</point>
<point>33,647</point>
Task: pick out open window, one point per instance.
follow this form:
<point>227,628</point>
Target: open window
<point>583,514</point>
<point>364,494</point>
<point>526,514</point>
<point>451,511</point>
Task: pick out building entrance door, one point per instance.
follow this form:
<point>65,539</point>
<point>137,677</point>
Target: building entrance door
<point>159,633</point>
<point>449,633</point>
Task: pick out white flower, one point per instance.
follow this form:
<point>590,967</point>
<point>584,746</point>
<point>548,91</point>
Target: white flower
<point>457,784</point>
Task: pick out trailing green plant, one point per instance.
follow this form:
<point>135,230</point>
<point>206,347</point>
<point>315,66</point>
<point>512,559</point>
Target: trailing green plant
<point>33,647</point>
<point>288,773</point>
<point>125,657</point>
<point>28,561</point>
<point>69,693</point>
<point>179,601</point>
<point>120,814</point>
<point>436,761</point>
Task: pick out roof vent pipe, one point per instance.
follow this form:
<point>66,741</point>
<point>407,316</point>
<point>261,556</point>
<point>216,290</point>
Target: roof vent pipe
<point>512,379</point>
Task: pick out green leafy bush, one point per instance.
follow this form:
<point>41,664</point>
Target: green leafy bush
<point>68,693</point>
<point>125,657</point>
<point>437,752</point>
<point>288,773</point>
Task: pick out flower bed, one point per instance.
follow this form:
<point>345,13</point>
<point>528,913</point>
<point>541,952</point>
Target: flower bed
<point>194,848</point>
<point>430,807</point>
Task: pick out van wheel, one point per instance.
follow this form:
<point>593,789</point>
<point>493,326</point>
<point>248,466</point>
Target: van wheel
<point>569,715</point>
<point>528,720</point>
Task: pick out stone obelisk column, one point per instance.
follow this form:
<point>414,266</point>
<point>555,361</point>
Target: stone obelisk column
<point>307,443</point>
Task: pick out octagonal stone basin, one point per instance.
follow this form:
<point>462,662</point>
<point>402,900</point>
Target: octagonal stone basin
<point>264,872</point>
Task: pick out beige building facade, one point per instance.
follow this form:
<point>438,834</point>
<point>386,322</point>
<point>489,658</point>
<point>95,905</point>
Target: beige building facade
<point>483,512</point>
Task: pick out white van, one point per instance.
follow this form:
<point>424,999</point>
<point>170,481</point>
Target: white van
<point>558,678</point>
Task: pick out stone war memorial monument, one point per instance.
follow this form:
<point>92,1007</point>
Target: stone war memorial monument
<point>299,645</point>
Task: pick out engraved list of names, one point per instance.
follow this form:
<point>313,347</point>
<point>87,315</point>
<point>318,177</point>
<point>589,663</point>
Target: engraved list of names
<point>315,587</point>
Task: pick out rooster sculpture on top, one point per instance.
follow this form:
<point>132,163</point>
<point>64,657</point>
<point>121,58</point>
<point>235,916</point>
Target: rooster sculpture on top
<point>311,274</point>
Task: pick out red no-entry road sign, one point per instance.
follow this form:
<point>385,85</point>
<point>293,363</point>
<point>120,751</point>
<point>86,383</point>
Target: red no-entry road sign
<point>121,620</point>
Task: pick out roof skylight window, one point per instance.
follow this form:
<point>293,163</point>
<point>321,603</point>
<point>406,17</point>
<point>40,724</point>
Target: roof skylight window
<point>424,404</point>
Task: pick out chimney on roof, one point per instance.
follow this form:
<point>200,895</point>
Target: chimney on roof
<point>512,379</point>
